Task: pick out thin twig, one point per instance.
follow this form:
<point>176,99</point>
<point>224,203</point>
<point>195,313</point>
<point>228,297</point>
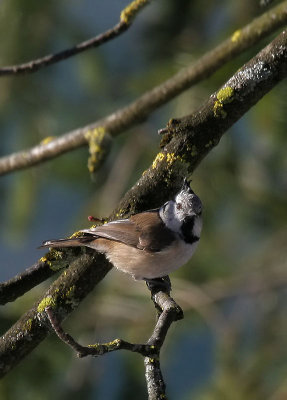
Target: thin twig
<point>97,349</point>
<point>32,66</point>
<point>169,312</point>
<point>137,111</point>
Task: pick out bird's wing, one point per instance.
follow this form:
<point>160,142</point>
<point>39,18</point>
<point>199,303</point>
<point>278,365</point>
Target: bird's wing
<point>154,235</point>
<point>145,231</point>
<point>121,231</point>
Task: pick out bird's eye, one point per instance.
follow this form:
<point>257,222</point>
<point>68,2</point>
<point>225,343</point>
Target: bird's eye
<point>178,206</point>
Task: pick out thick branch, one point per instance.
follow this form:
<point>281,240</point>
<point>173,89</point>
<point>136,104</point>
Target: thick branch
<point>188,141</point>
<point>134,113</point>
<point>54,261</point>
<point>122,119</point>
<point>34,65</point>
<point>63,296</point>
<point>22,283</point>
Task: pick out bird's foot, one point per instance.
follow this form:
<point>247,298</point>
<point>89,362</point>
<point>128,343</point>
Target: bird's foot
<point>159,284</point>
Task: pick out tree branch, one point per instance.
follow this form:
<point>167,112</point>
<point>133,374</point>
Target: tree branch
<point>137,111</point>
<point>97,349</point>
<point>248,35</point>
<point>65,294</point>
<point>187,142</point>
<point>126,19</point>
<point>22,283</point>
<point>43,269</point>
<point>169,312</point>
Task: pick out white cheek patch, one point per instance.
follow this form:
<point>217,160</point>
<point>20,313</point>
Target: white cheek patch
<point>170,217</point>
<point>197,227</point>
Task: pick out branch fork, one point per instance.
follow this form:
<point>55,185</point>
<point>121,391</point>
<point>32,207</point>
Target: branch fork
<point>168,311</point>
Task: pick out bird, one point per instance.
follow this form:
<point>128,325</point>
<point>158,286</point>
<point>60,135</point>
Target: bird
<point>151,244</point>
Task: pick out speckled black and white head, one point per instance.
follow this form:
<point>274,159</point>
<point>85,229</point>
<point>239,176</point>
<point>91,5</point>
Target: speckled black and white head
<point>183,214</point>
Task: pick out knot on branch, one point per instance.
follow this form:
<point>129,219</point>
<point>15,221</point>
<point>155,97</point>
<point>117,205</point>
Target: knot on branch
<point>100,142</point>
<point>128,14</point>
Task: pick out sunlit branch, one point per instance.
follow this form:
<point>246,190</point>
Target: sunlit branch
<point>127,16</point>
<point>137,111</point>
<point>187,142</point>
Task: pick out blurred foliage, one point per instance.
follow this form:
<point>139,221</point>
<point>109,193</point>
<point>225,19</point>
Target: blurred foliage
<point>231,344</point>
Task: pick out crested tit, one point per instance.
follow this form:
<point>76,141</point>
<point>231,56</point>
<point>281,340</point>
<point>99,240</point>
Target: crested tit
<point>150,244</point>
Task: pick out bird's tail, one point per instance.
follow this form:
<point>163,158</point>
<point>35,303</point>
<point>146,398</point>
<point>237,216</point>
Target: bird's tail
<point>73,242</point>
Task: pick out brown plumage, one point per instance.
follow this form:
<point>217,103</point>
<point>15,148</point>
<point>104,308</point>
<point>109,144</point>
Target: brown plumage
<point>144,231</point>
<point>150,244</point>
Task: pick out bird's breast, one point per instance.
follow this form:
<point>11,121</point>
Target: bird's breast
<point>143,264</point>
